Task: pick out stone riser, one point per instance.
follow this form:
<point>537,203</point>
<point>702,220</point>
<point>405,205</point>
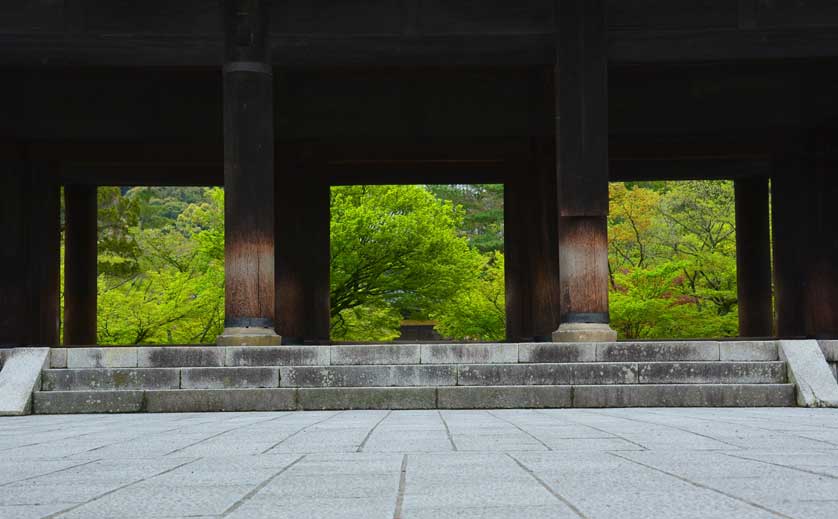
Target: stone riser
<point>486,397</point>
<point>415,375</point>
<point>500,353</point>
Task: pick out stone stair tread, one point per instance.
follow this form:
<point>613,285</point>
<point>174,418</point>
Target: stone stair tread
<point>415,375</point>
<point>392,354</point>
<point>444,397</point>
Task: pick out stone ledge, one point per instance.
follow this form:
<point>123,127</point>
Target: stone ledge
<point>504,397</point>
<point>684,395</point>
<point>19,377</point>
<point>810,373</point>
<point>312,399</point>
<point>220,400</point>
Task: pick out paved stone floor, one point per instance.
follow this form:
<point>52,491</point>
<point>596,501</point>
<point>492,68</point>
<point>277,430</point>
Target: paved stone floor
<point>633,463</point>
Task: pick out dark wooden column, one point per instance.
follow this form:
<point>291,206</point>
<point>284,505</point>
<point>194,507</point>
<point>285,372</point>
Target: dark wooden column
<point>582,147</point>
<point>302,255</point>
<point>80,264</point>
<point>531,247</point>
<point>29,257</point>
<point>248,175</point>
<point>753,257</point>
<point>822,295</point>
<point>790,206</point>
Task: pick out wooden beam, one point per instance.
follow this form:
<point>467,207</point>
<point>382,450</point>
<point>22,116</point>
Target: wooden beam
<point>80,264</point>
<point>753,257</point>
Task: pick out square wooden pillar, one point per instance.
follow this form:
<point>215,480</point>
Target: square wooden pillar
<point>753,257</point>
<point>248,176</point>
<point>582,149</point>
<point>531,246</point>
<point>29,258</point>
<point>302,254</point>
<point>80,264</point>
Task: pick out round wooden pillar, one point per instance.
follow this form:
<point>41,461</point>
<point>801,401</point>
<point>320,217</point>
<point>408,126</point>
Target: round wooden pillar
<point>248,175</point>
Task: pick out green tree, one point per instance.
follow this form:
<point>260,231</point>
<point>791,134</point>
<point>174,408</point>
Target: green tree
<point>482,220</point>
<point>394,247</point>
<point>477,312</point>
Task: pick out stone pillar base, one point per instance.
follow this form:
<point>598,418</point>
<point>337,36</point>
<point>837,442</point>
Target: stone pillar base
<point>584,332</point>
<point>249,337</point>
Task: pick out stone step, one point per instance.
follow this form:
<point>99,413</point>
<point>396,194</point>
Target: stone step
<point>415,375</point>
<point>460,397</point>
<point>399,354</point>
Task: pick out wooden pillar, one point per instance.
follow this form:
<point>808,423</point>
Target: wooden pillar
<point>531,247</point>
<point>753,257</point>
<point>822,295</point>
<point>29,257</point>
<point>582,148</point>
<point>302,256</point>
<point>790,206</point>
<point>80,264</point>
<point>248,175</point>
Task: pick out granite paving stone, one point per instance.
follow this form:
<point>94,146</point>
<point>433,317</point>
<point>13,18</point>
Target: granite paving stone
<point>494,463</point>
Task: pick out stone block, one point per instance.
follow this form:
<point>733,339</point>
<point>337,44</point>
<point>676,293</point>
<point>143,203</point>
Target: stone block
<point>753,373</point>
<point>367,376</point>
<point>748,350</point>
<point>205,400</point>
<point>110,378</point>
<point>605,373</point>
<point>102,357</point>
<point>19,377</point>
<point>375,354</point>
<point>367,398</point>
<point>469,353</point>
<point>515,374</point>
<point>712,373</point>
<point>180,356</point>
<point>254,336</point>
<point>551,352</point>
<point>277,356</point>
<point>829,349</point>
<point>227,377</point>
<point>58,358</point>
<point>810,373</point>
<point>584,332</point>
<point>504,397</point>
<point>684,395</point>
<point>658,351</point>
<point>72,402</point>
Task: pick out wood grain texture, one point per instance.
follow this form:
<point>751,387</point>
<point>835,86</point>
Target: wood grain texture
<point>248,171</point>
<point>753,257</point>
<point>583,265</point>
<point>302,253</point>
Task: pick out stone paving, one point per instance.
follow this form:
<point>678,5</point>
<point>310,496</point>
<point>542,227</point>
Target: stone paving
<point>633,463</point>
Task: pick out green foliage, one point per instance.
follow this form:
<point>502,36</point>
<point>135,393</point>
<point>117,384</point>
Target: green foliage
<point>478,311</point>
<point>176,293</point>
<point>672,260</point>
<point>417,252</point>
<point>483,212</point>
<point>394,247</point>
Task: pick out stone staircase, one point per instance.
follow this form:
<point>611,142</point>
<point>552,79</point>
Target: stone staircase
<point>410,376</point>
